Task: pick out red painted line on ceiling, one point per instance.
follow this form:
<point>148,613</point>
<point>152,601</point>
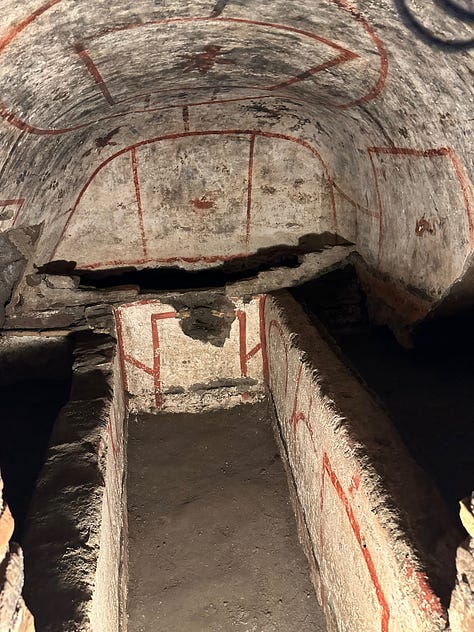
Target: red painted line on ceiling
<point>138,197</point>
<point>175,136</point>
<point>26,127</point>
<point>340,59</point>
<point>14,31</point>
<point>249,191</point>
<point>94,72</point>
<point>327,468</point>
<point>197,19</point>
<point>379,203</point>
<point>383,69</point>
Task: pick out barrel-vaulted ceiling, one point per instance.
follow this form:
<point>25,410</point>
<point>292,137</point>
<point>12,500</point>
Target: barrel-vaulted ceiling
<point>154,132</point>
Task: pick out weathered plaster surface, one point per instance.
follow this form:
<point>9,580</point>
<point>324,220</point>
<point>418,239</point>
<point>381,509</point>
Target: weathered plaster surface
<point>166,368</point>
<point>376,533</point>
<point>146,132</point>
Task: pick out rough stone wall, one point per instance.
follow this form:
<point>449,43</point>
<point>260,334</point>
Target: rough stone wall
<point>199,350</point>
<point>144,133</point>
<point>461,607</point>
<point>14,614</point>
<point>377,535</point>
<point>75,546</point>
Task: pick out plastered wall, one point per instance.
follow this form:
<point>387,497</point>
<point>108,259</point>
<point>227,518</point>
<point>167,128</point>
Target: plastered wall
<point>378,539</point>
<point>188,133</point>
<point>165,368</point>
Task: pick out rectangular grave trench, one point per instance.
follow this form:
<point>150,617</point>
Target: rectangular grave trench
<point>212,538</point>
<point>192,509</point>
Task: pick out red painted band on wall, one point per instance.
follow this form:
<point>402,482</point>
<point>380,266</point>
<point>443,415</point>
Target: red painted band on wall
<point>327,469</point>
<point>157,355</point>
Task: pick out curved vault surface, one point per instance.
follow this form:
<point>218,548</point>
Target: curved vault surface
<point>148,133</point>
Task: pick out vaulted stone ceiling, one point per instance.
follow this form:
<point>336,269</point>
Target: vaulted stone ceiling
<point>189,133</point>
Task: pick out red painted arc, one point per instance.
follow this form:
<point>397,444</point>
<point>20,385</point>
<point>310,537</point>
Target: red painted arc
<point>346,55</point>
<point>424,153</point>
<point>236,132</point>
<point>327,469</point>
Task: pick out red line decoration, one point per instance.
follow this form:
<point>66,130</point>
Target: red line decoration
<point>428,601</point>
<point>237,132</point>
<point>136,183</point>
<point>94,71</point>
<point>157,355</point>
<point>344,55</point>
<point>243,354</point>
<point>16,29</point>
<point>328,470</point>
<point>424,153</point>
<point>16,202</point>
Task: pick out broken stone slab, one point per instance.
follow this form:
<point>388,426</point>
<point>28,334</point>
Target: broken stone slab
<point>311,266</point>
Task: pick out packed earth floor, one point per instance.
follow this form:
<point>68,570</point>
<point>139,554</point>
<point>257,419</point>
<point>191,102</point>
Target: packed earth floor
<point>213,543</point>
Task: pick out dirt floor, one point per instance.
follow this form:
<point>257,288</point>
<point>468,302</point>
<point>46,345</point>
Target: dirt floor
<point>213,544</point>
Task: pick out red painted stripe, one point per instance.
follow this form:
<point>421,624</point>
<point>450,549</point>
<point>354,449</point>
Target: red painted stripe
<point>138,365</point>
<point>17,202</point>
<point>357,532</point>
<point>253,351</point>
<point>379,204</point>
<point>383,70</point>
<point>426,153</point>
<point>249,190</point>
<point>242,318</point>
<point>136,183</point>
<point>13,32</point>
<point>157,355</point>
<point>94,72</point>
<point>18,28</point>
<point>340,59</point>
<point>272,25</point>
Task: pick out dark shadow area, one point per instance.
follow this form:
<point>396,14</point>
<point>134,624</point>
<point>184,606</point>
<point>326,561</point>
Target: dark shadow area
<point>175,278</point>
<point>35,380</point>
<point>427,391</point>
